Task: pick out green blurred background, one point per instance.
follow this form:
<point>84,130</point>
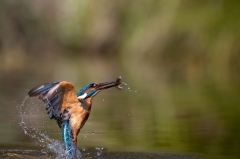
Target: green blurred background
<point>182,56</point>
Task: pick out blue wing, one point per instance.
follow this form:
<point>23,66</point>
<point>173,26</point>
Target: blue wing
<point>51,95</point>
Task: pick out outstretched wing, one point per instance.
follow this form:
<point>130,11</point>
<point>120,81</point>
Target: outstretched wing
<point>53,94</point>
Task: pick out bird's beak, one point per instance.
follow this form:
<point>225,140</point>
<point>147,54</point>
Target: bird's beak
<point>106,85</point>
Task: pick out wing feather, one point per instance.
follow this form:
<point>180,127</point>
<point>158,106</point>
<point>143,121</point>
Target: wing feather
<point>52,95</point>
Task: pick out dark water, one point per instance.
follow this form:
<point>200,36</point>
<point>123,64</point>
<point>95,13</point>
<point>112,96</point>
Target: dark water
<point>33,154</point>
<point>18,154</point>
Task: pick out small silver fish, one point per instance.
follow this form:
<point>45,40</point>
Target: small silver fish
<point>119,82</point>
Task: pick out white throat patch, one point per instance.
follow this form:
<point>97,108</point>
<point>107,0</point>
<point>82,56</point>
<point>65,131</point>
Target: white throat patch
<point>82,96</point>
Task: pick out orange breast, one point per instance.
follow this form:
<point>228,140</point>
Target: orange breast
<point>69,99</point>
<point>78,115</point>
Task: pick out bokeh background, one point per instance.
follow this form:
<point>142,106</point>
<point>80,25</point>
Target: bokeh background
<point>182,57</point>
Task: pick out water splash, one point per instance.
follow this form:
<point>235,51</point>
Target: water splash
<point>99,150</point>
<point>26,111</point>
<point>126,89</point>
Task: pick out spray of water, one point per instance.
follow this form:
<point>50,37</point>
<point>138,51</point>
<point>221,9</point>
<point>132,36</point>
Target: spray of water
<point>40,136</point>
<point>124,87</point>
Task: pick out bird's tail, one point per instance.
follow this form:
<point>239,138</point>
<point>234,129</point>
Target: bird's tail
<point>67,138</point>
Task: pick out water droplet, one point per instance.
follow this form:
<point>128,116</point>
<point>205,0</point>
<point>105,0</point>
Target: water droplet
<point>83,149</point>
<point>98,153</point>
<point>103,100</point>
<point>85,136</point>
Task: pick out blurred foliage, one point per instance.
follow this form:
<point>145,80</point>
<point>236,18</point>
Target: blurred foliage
<point>183,56</point>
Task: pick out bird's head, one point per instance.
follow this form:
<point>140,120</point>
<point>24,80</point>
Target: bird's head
<point>91,89</point>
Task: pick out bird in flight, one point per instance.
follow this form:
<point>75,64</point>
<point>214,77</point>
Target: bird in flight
<point>70,110</point>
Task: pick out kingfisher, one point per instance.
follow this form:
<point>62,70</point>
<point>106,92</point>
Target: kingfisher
<point>70,110</point>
